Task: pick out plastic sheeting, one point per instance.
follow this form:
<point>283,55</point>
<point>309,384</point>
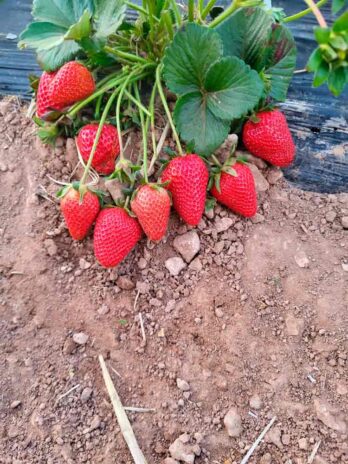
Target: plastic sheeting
<point>319,122</point>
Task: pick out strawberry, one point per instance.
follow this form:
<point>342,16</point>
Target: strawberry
<point>151,204</point>
<point>270,138</point>
<point>108,147</point>
<point>79,214</point>
<point>237,192</point>
<point>57,90</point>
<point>187,178</point>
<point>115,234</point>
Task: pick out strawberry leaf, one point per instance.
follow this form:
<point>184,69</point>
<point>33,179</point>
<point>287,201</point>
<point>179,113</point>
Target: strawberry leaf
<point>189,57</point>
<point>214,91</point>
<point>251,35</point>
<point>109,15</point>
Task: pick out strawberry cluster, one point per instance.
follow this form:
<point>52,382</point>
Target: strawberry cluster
<point>184,182</point>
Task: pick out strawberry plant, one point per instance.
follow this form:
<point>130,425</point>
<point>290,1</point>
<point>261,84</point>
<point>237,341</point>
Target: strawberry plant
<point>226,69</point>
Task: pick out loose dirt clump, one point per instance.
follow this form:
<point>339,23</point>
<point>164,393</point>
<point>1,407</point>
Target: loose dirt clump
<point>254,322</point>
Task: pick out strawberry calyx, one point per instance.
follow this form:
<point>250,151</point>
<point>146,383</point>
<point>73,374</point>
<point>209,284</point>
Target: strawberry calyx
<point>125,171</point>
<point>217,169</point>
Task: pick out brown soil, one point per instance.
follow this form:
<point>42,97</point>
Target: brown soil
<point>252,330</point>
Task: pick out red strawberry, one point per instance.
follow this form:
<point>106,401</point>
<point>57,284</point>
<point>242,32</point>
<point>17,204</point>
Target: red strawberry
<point>270,138</point>
<point>151,204</point>
<point>115,234</point>
<point>188,178</point>
<point>237,192</point>
<point>79,215</point>
<point>59,89</point>
<point>108,147</point>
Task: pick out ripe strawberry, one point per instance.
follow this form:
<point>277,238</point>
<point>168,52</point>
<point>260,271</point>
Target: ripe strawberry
<point>188,178</point>
<point>115,234</point>
<point>270,138</point>
<point>151,204</point>
<point>108,147</point>
<point>237,192</point>
<point>59,89</point>
<point>79,215</point>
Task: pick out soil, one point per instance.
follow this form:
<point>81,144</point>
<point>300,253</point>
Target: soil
<point>258,323</point>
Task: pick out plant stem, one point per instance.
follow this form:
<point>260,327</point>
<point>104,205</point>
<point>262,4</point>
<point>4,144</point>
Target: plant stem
<point>168,22</point>
<point>176,12</point>
<point>152,123</point>
<point>214,158</point>
<point>136,7</point>
<point>118,107</point>
<point>191,10</point>
<point>230,10</point>
<point>200,7</point>
<point>97,107</point>
<point>303,13</point>
<point>126,56</point>
<point>317,13</point>
<point>144,130</point>
<point>167,110</point>
<point>137,102</point>
<point>96,140</point>
<point>208,8</point>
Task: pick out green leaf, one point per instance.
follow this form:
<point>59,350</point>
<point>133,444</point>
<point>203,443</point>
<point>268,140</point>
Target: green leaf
<point>57,23</point>
<point>55,57</point>
<point>339,43</point>
<point>250,34</point>
<point>245,35</point>
<point>189,57</point>
<point>280,61</point>
<point>198,125</point>
<point>322,34</point>
<point>337,80</point>
<point>341,24</point>
<point>109,15</point>
<point>231,88</point>
<point>62,13</point>
<point>314,60</point>
<point>337,5</point>
<point>321,74</point>
<point>81,29</point>
<point>229,91</point>
<point>41,35</point>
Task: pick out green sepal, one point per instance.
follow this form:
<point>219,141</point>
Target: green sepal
<point>322,34</point>
<point>47,132</point>
<point>314,60</point>
<point>217,180</point>
<point>169,151</point>
<point>63,191</point>
<point>321,74</point>
<point>34,82</point>
<point>210,203</point>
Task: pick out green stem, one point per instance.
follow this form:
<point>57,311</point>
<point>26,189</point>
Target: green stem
<point>136,7</point>
<point>176,12</point>
<point>168,22</point>
<point>191,10</point>
<point>200,7</point>
<point>137,102</point>
<point>214,158</point>
<point>167,110</point>
<point>126,56</point>
<point>230,10</point>
<point>317,13</point>
<point>96,140</point>
<point>303,13</point>
<point>118,106</point>
<point>152,122</point>
<point>97,107</point>
<point>208,8</point>
<point>144,130</point>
